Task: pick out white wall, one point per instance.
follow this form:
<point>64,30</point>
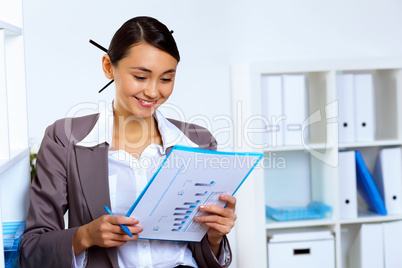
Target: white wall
<point>63,69</point>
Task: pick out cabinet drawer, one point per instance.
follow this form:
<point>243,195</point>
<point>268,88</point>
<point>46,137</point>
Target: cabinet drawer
<point>309,254</point>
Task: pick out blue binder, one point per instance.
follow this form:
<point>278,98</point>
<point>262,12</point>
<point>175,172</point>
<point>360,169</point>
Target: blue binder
<point>367,188</point>
<point>12,232</point>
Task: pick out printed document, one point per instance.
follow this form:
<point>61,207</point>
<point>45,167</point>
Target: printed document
<point>188,178</point>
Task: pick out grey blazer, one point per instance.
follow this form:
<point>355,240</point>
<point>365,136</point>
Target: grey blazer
<point>76,178</point>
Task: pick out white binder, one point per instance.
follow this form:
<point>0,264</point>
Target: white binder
<point>272,109</point>
<point>367,249</point>
<point>346,108</point>
<point>388,178</point>
<point>364,107</point>
<point>295,108</point>
<point>347,184</point>
<point>392,244</point>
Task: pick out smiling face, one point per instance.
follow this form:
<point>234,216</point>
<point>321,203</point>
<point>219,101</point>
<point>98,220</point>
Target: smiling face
<point>144,80</point>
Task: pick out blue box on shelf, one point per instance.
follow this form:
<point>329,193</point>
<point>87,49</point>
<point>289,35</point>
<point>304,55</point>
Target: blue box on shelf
<point>12,232</point>
<point>314,210</point>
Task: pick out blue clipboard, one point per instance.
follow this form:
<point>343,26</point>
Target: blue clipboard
<point>169,202</point>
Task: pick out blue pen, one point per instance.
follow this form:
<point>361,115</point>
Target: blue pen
<point>122,226</point>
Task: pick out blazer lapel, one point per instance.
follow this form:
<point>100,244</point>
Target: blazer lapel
<point>168,149</point>
<point>92,163</point>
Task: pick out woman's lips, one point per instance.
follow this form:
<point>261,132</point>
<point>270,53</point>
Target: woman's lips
<point>145,103</point>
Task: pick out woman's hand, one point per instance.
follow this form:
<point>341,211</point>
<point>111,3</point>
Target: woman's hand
<point>221,221</point>
<point>105,232</point>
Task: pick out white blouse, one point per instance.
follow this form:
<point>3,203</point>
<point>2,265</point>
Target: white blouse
<point>127,178</point>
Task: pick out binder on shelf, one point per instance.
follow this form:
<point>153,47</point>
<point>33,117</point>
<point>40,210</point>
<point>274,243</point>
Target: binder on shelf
<point>272,109</point>
<point>347,184</point>
<point>1,236</point>
<point>388,178</point>
<point>367,249</point>
<point>364,107</point>
<point>346,108</point>
<point>392,232</point>
<point>367,188</point>
<point>295,108</point>
<point>12,232</point>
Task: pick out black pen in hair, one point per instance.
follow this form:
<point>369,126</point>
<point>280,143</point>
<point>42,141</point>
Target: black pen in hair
<point>106,86</point>
<point>97,45</point>
<point>104,49</point>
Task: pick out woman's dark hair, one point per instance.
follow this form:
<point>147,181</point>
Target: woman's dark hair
<point>142,29</point>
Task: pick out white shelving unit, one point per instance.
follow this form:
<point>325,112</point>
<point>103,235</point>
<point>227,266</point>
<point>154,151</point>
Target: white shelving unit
<point>268,185</point>
<point>14,151</point>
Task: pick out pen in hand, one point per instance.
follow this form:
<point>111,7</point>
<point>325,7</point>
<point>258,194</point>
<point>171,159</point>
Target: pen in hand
<point>122,226</point>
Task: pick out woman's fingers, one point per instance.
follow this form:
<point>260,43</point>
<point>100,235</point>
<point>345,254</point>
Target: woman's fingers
<point>217,219</point>
<point>221,229</point>
<point>112,223</point>
<point>231,201</point>
<point>224,212</point>
<point>134,229</point>
<point>117,220</point>
<point>118,237</point>
<point>220,219</point>
<point>116,229</point>
<point>220,214</point>
<point>221,224</point>
<point>106,231</point>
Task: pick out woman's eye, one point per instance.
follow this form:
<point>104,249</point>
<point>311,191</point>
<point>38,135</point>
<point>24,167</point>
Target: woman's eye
<point>141,78</point>
<point>166,79</point>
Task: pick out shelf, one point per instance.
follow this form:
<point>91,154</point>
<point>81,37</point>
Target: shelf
<point>10,29</point>
<point>14,152</point>
<point>271,224</point>
<point>291,66</point>
<point>294,175</point>
<point>369,217</point>
<point>15,156</point>
<point>370,144</point>
<point>314,146</point>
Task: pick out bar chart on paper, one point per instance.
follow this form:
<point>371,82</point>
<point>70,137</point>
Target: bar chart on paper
<point>188,177</point>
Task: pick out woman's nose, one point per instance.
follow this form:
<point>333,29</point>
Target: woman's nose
<point>151,90</point>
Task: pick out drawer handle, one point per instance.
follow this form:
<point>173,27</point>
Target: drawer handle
<point>301,251</point>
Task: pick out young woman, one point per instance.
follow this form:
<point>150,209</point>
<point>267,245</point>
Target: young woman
<point>87,162</point>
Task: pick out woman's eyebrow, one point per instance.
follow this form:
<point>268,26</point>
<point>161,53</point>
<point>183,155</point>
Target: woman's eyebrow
<point>169,71</point>
<point>142,69</point>
<point>149,71</point>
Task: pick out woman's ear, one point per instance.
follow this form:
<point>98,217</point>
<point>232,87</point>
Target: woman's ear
<point>107,66</point>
